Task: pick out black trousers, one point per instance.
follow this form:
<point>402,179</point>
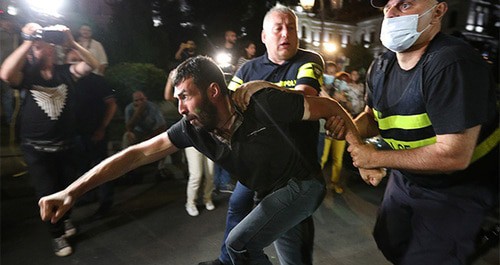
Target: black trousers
<point>50,172</point>
<point>417,225</point>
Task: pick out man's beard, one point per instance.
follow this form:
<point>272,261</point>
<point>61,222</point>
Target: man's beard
<point>207,115</point>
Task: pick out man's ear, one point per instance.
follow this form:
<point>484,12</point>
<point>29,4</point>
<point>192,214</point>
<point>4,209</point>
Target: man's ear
<point>441,9</point>
<point>263,36</point>
<point>213,91</point>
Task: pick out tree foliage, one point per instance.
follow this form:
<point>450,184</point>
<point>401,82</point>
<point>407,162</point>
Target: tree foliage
<point>132,36</point>
<point>126,78</point>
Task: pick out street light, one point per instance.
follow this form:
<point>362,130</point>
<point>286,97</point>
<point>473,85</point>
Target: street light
<point>308,5</point>
<point>330,48</point>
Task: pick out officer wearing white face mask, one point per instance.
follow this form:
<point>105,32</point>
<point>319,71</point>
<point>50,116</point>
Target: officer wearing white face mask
<point>400,33</point>
<point>432,99</point>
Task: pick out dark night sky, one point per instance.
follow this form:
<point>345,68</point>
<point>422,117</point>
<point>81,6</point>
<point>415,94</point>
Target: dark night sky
<point>217,16</point>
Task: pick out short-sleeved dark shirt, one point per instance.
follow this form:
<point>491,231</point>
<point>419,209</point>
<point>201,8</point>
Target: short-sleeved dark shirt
<point>454,88</point>
<point>263,154</point>
<point>91,93</point>
<point>305,68</point>
<point>48,111</point>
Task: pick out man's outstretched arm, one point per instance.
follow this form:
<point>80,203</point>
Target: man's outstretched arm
<point>53,207</point>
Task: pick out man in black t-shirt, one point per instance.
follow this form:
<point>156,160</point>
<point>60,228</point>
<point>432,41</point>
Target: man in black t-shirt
<point>433,101</point>
<point>287,66</point>
<point>256,146</point>
<point>47,121</point>
<point>95,106</point>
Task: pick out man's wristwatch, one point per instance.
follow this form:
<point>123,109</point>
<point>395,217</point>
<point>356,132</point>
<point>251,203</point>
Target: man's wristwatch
<point>28,37</point>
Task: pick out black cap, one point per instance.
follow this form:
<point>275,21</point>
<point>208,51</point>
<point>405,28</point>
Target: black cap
<point>382,3</point>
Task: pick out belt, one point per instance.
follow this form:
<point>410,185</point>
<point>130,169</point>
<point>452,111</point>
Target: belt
<point>49,146</point>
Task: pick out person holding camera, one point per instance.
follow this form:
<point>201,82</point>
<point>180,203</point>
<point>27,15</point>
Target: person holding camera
<point>47,122</point>
<point>186,50</point>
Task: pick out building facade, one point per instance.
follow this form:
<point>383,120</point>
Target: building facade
<point>476,21</point>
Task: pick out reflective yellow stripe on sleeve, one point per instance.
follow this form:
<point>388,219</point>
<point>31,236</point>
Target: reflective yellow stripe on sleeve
<point>481,150</point>
<point>235,83</point>
<point>486,145</point>
<point>311,70</point>
<point>406,122</point>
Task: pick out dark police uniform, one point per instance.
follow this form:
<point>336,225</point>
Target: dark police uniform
<point>433,218</point>
<point>305,68</point>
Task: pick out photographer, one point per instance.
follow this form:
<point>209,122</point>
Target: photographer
<point>47,121</point>
<point>186,50</point>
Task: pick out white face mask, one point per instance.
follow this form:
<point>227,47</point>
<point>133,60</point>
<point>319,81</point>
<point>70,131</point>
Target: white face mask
<point>328,79</point>
<point>400,33</point>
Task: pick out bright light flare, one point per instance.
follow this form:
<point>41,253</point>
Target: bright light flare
<point>223,59</point>
<point>157,22</point>
<point>49,7</point>
<point>330,47</point>
<point>307,4</point>
<point>12,10</point>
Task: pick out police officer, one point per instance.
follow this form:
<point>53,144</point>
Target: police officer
<point>432,100</point>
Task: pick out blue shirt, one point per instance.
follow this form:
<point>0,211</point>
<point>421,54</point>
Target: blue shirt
<point>152,118</point>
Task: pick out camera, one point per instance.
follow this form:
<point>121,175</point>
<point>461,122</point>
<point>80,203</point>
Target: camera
<point>49,35</point>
